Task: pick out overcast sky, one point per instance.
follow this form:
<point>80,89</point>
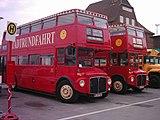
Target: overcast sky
<point>22,11</point>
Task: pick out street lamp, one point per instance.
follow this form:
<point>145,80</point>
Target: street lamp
<point>157,25</point>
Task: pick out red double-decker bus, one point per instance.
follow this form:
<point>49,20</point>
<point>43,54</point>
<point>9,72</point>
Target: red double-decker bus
<point>55,55</point>
<point>127,43</point>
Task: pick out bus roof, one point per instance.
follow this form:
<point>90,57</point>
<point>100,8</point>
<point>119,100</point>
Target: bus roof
<point>67,12</point>
<point>125,25</point>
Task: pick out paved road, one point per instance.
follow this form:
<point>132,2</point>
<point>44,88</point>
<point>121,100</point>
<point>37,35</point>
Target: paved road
<point>132,106</point>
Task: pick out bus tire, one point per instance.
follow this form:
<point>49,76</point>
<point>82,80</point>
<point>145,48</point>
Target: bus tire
<point>119,86</point>
<point>135,89</point>
<point>104,95</point>
<point>66,92</point>
<point>154,81</point>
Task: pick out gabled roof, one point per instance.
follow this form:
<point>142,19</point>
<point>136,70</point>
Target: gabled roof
<point>112,8</point>
<point>108,7</point>
<point>145,29</point>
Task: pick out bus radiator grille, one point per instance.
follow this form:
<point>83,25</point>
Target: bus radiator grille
<point>97,85</point>
<point>141,80</point>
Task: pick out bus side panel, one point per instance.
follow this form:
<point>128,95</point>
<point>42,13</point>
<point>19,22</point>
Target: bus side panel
<point>118,70</point>
<point>24,76</point>
<point>44,80</point>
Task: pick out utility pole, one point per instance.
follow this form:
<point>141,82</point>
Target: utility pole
<point>157,25</point>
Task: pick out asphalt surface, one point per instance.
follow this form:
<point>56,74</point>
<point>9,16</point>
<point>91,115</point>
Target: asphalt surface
<point>29,105</point>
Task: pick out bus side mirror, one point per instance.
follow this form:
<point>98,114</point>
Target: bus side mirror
<point>10,72</point>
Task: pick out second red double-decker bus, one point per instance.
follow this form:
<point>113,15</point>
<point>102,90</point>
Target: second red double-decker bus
<point>56,55</point>
<point>127,43</point>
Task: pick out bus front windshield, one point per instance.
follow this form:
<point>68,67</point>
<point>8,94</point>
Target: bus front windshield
<point>90,20</point>
<point>85,57</point>
<point>133,61</point>
<point>119,30</point>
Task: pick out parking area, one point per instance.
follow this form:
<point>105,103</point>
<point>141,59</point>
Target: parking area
<point>29,105</point>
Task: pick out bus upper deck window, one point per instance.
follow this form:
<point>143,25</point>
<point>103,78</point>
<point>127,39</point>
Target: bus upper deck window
<point>36,26</point>
<point>66,19</point>
<point>25,29</point>
<point>131,32</point>
<point>140,33</point>
<point>85,19</point>
<point>49,23</point>
<point>99,22</point>
<point>119,30</point>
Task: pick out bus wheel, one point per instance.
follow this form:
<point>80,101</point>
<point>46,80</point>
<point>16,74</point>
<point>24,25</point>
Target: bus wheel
<point>66,93</point>
<point>104,95</point>
<point>119,86</point>
<point>135,89</point>
<point>154,81</point>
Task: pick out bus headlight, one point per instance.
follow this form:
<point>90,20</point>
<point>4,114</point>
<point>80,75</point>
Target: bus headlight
<point>132,79</point>
<point>82,83</point>
<point>109,81</point>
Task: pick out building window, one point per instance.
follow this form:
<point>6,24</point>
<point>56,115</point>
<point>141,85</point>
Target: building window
<point>121,19</point>
<point>127,9</point>
<point>133,22</point>
<point>127,21</point>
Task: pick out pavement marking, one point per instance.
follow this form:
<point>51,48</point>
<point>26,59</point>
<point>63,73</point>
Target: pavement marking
<point>110,109</point>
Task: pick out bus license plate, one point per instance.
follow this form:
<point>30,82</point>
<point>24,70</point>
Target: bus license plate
<point>141,87</point>
<point>98,95</point>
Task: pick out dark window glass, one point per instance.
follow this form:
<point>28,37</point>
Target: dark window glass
<point>49,23</point>
<point>60,53</point>
<point>85,57</point>
<point>119,30</point>
<point>47,59</point>
<point>70,56</point>
<point>94,34</point>
<point>100,62</point>
<point>99,22</point>
<point>23,60</point>
<point>25,30</point>
<point>114,59</point>
<point>36,26</point>
<point>131,32</point>
<point>34,59</point>
<point>133,60</point>
<point>85,19</point>
<point>123,59</point>
<point>140,33</point>
<point>3,63</point>
<point>66,19</point>
<point>15,59</point>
